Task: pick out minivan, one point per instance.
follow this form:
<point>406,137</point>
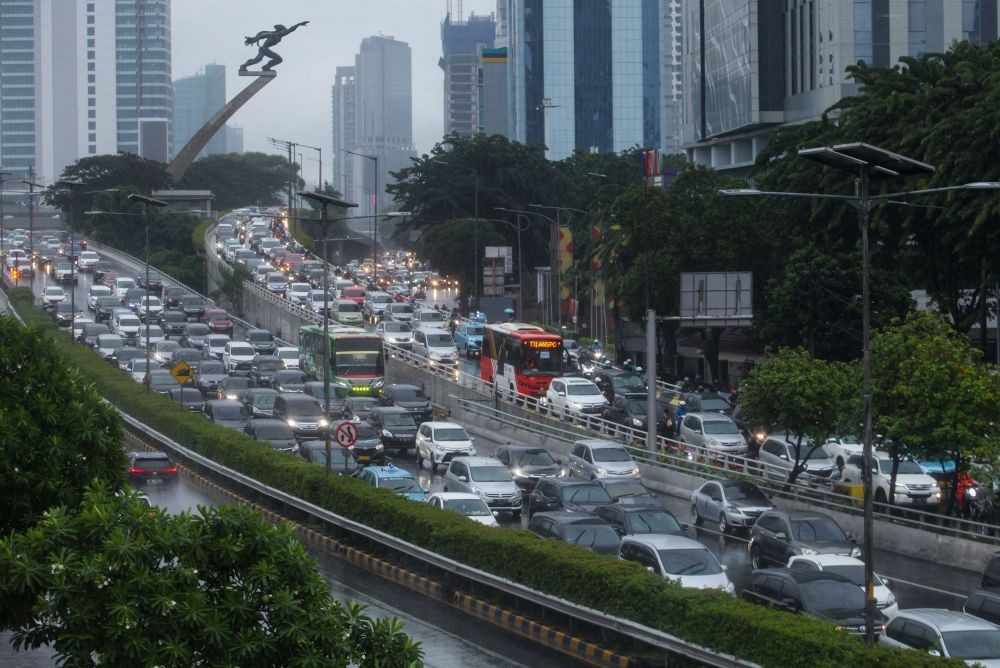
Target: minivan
<point>436,345</point>
<point>276,282</point>
<point>302,413</point>
<point>346,312</point>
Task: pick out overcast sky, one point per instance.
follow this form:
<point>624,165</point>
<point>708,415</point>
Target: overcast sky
<point>296,106</point>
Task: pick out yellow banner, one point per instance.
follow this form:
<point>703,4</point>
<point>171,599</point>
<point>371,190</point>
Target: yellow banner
<point>565,259</point>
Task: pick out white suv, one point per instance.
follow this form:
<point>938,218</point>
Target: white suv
<point>440,442</point>
<point>238,355</point>
<point>913,486</point>
<point>575,398</point>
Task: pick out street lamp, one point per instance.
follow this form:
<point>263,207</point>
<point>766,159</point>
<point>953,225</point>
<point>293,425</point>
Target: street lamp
<point>374,159</point>
<point>866,162</point>
<point>146,203</point>
<point>520,264</point>
<point>324,201</point>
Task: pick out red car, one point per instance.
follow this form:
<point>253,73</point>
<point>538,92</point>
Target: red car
<point>355,294</point>
<point>109,279</point>
<point>218,321</point>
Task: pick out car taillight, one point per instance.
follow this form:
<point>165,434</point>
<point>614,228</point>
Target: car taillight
<point>137,470</point>
<point>172,469</point>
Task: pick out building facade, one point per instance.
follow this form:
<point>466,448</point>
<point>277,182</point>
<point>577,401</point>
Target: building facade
<point>491,91</point>
<point>196,99</point>
<point>83,78</point>
<point>753,65</point>
<point>461,43</point>
<point>345,127</point>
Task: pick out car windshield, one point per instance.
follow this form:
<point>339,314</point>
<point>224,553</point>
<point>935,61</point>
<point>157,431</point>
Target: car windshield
<point>241,350</point>
<point>264,400</point>
<point>592,535</point>
<point>690,561</point>
<point>853,572</point>
<point>474,331</point>
<point>214,368</point>
<point>290,376</point>
<point>533,458</point>
<point>274,432</point>
<point>628,380</point>
<point>587,494</point>
<point>906,467</point>
<point>977,645</point>
<point>162,380</point>
<point>197,330</point>
<point>495,473</point>
<point>583,390</point>
<point>361,404</point>
<point>138,364</point>
<point>653,521</point>
<point>348,307</point>
<point>398,420</point>
<point>611,455</point>
<point>409,394</point>
<point>746,492</point>
<point>400,485</point>
<point>630,488</point>
<point>714,404</point>
<point>259,335</point>
<point>288,354</point>
<point>230,413</point>
<point>398,327</point>
<point>303,408</point>
<point>812,529</point>
<point>450,434</point>
<point>166,346</point>
<point>468,507</point>
<point>720,427</point>
<point>431,316</point>
<point>840,598</point>
<point>270,365</point>
<point>440,340</point>
<point>400,308</point>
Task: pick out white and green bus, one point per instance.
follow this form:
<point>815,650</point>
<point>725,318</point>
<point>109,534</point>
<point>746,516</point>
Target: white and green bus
<point>356,362</point>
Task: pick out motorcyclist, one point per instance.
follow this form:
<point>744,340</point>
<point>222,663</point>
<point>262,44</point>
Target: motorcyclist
<point>679,413</point>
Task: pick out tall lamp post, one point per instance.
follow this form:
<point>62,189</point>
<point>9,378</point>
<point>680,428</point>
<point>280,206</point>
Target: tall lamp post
<point>520,264</point>
<point>146,203</point>
<point>324,201</point>
<point>374,159</point>
<point>866,162</point>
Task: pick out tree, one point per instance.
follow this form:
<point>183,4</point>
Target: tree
<point>448,246</point>
<point>232,284</point>
<point>238,179</point>
<point>809,398</point>
<point>56,435</point>
<point>932,396</point>
<point>100,172</point>
<point>119,584</point>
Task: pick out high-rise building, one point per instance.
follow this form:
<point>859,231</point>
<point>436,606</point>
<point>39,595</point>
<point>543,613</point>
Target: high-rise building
<point>234,139</point>
<point>196,99</point>
<point>83,78</point>
<point>752,65</point>
<point>492,112</point>
<point>461,42</point>
<point>585,75</point>
<point>345,128</point>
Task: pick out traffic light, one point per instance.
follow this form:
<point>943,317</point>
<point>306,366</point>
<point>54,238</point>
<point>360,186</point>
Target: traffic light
<point>15,273</point>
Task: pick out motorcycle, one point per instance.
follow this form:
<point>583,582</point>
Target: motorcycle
<point>589,361</point>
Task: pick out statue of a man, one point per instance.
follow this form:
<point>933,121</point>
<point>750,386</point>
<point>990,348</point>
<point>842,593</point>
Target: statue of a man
<point>270,38</point>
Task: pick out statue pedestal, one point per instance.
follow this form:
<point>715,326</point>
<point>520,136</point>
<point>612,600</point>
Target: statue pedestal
<point>258,73</point>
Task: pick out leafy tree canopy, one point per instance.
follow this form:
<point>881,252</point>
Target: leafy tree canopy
<point>102,172</point>
<point>56,434</point>
<point>238,179</point>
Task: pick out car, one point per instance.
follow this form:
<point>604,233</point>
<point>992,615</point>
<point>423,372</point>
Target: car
<point>193,306</point>
<point>122,285</point>
<point>571,351</point>
<point>195,334</point>
<point>354,293</point>
<point>297,293</point>
<point>137,369</point>
<point>396,480</point>
<point>275,433</point>
<point>262,341</point>
<point>469,505</point>
<point>731,504</point>
<point>105,308</point>
<point>191,356</point>
<point>91,331</point>
<point>398,312</point>
<point>429,318</point>
<point>338,393</point>
<point>395,333</point>
<point>259,401</point>
<point>232,387</point>
<point>151,281</point>
<point>357,407</point>
<point>985,604</point>
<point>149,307</point>
<point>469,338</point>
<point>150,468</point>
<point>53,295</point>
<point>440,442</point>
<point>627,492</point>
<point>914,488</point>
<point>210,374</point>
<point>227,413</point>
<point>110,279</point>
<point>238,356</point>
<point>289,356</point>
<point>528,464</point>
<point>315,300</point>
<point>132,298</point>
<point>827,596</point>
<point>712,434</point>
<point>276,282</point>
<point>677,558</point>
<point>374,305</point>
<point>161,382</point>
<point>571,494</point>
<point>488,478</point>
<point>367,448</point>
<point>108,344</point>
<point>619,382</point>
<point>302,413</point>
<point>346,312</point>
<point>289,380</point>
<point>574,398</point>
<point>409,397</point>
<point>854,570</point>
<point>64,272</point>
<point>64,315</point>
<point>629,411</point>
<point>94,293</point>
<point>395,426</point>
<point>218,321</point>
<point>127,325</point>
<point>779,535</point>
<point>946,633</point>
<point>707,402</point>
<point>640,519</point>
<point>101,268</point>
<point>123,356</point>
<point>341,460</point>
<point>188,397</point>
<point>150,335</point>
<point>595,458</point>
<point>215,345</point>
<point>587,531</point>
<point>163,351</point>
<point>172,296</point>
<point>263,368</point>
<point>840,447</point>
<point>777,456</point>
<point>173,323</point>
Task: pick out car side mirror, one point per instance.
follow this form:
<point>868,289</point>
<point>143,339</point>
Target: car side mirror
<point>886,581</point>
<point>684,526</point>
<point>496,513</point>
<point>558,462</point>
<point>781,535</point>
<point>463,478</point>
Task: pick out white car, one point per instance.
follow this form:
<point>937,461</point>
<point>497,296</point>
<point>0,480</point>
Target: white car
<point>149,306</point>
<point>127,326</point>
<point>155,335</point>
<point>914,488</point>
<point>677,558</point>
<point>572,397</point>
<point>314,301</point>
<point>215,344</point>
<point>87,260</point>
<point>440,442</point>
<point>436,345</point>
<point>840,448</point>
<point>289,355</point>
<point>945,633</point>
<point>854,570</point>
<point>53,295</point>
<point>95,293</point>
<point>297,293</point>
<point>137,369</point>
<point>395,333</point>
<point>237,356</point>
<point>469,505</point>
<point>122,285</point>
<point>78,323</point>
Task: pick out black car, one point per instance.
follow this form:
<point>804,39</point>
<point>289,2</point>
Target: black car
<point>630,411</point>
<point>586,531</point>
<point>708,402</point>
<point>614,382</point>
<point>172,296</point>
<point>289,380</point>
<point>367,449</point>
<point>628,492</point>
<point>263,368</point>
<point>151,468</point>
<point>410,397</point>
<point>210,374</point>
<point>226,413</point>
<point>259,401</point>
<point>91,332</point>
<point>991,574</point>
<point>173,323</point>
<point>105,310</point>
<point>338,394</point>
<point>275,433</point>
<point>193,306</point>
<point>341,459</point>
<point>232,387</point>
<point>395,425</point>
<point>262,341</point>
<point>632,520</point>
<point>528,464</point>
<point>63,314</point>
<point>188,397</point>
<point>100,268</point>
<point>781,534</point>
<point>985,604</point>
<point>132,298</point>
<point>570,494</point>
<point>153,281</point>
<point>820,594</point>
<point>123,356</point>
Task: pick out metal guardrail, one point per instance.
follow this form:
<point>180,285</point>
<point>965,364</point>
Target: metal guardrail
<point>630,628</point>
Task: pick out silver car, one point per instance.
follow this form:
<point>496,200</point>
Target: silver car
<point>778,455</point>
<point>486,477</point>
<point>713,432</point>
<point>731,504</point>
<point>594,458</point>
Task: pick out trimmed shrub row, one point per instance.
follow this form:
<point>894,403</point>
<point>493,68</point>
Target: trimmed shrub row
<point>711,619</point>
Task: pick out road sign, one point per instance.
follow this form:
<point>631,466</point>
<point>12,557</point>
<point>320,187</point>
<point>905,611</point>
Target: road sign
<point>182,372</point>
<point>346,434</point>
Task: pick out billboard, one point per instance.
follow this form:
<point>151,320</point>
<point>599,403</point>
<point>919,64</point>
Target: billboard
<point>717,299</point>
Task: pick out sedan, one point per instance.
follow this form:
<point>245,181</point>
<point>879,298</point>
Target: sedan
<point>733,504</point>
<point>635,520</point>
<point>586,531</point>
<point>677,558</point>
<point>289,380</point>
<point>469,505</point>
<point>528,464</point>
<point>53,295</point>
<point>188,397</point>
<point>275,433</point>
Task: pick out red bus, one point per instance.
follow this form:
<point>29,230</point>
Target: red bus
<point>520,358</point>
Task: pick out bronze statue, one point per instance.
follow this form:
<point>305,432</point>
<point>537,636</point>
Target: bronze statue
<point>270,38</point>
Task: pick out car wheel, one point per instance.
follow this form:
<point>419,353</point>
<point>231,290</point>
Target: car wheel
<point>517,515</point>
<point>420,459</point>
<point>723,524</point>
<point>696,515</point>
<point>755,556</point>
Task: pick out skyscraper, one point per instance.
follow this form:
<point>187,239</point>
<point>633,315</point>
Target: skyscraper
<point>76,79</point>
<point>196,99</point>
<point>753,65</point>
<point>461,42</point>
<point>345,128</point>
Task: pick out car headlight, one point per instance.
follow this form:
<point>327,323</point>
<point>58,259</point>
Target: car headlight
<point>323,422</point>
<point>735,509</point>
<point>635,469</point>
<point>808,551</point>
<point>602,470</point>
<point>387,433</point>
<point>291,422</point>
<point>231,397</point>
<point>379,446</point>
<point>472,451</point>
<point>891,599</point>
<point>937,494</point>
<point>636,422</point>
<point>856,552</point>
<point>516,471</point>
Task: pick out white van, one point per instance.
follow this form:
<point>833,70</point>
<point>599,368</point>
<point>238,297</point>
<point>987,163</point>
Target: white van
<point>437,345</point>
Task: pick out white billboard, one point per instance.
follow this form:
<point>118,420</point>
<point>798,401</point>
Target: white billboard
<point>717,299</point>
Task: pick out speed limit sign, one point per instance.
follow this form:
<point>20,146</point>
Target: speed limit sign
<point>346,434</point>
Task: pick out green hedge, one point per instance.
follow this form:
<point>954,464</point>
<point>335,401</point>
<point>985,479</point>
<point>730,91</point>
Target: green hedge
<point>709,618</point>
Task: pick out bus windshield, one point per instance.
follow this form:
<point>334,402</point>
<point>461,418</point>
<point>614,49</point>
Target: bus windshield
<point>541,357</point>
<point>358,362</point>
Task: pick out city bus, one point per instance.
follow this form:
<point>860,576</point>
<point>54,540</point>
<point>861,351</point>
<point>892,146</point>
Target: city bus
<point>520,358</point>
<point>356,362</point>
